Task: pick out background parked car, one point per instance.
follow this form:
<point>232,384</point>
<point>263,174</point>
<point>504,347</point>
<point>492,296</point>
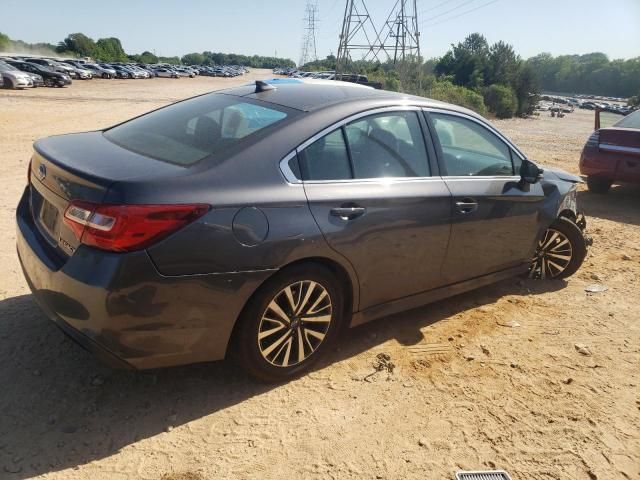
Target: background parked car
<point>166,73</point>
<point>121,72</point>
<point>49,77</point>
<point>80,70</point>
<point>101,71</point>
<point>14,78</point>
<point>612,152</point>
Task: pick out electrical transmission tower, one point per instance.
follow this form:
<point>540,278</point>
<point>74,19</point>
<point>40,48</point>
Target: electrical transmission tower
<point>396,40</point>
<point>308,52</point>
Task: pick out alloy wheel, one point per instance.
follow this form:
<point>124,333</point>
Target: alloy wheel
<point>295,323</point>
<point>552,256</point>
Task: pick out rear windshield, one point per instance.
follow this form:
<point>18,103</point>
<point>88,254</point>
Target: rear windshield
<point>630,121</point>
<point>189,131</point>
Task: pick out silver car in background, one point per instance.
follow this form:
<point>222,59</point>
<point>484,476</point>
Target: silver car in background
<point>166,73</point>
<point>14,78</point>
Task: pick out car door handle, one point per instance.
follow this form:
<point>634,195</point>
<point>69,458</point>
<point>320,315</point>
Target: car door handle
<point>467,205</point>
<point>347,213</point>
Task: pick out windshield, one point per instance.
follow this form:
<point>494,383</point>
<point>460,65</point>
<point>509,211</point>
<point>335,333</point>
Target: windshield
<point>630,121</point>
<point>189,131</point>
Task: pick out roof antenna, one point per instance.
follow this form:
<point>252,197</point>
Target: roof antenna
<point>263,86</point>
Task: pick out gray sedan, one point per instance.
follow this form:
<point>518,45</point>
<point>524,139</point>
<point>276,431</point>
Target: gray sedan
<point>258,221</point>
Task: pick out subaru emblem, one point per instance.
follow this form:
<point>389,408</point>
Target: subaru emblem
<point>42,171</point>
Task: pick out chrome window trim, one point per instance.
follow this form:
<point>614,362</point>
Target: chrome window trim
<point>479,122</point>
<point>483,177</point>
<point>383,181</point>
<point>285,169</point>
<point>291,178</point>
<point>607,147</point>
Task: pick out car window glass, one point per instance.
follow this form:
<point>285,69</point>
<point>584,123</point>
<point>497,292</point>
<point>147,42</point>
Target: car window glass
<point>326,158</point>
<point>189,131</point>
<point>388,145</point>
<point>630,121</point>
<point>517,162</point>
<point>468,148</point>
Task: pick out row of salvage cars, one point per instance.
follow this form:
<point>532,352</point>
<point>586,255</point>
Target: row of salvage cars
<point>24,72</point>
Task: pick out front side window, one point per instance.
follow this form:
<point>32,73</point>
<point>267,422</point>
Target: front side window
<point>469,149</point>
<point>189,131</point>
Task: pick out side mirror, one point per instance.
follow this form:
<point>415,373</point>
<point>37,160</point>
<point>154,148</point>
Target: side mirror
<point>529,172</point>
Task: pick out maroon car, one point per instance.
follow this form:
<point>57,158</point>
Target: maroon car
<point>612,154</point>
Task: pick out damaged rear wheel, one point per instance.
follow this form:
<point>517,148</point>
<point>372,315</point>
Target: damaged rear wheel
<point>560,252</point>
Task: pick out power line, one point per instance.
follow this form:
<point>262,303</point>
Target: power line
<point>435,6</point>
<point>448,11</point>
<point>461,14</point>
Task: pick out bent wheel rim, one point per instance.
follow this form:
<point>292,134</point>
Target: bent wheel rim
<point>295,323</point>
<point>553,255</point>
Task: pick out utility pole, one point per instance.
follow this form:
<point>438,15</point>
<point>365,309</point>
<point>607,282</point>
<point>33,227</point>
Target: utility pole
<point>397,40</point>
<point>309,52</point>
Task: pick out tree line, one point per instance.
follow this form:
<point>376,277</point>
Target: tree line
<point>592,73</point>
<point>111,50</point>
<point>496,79</point>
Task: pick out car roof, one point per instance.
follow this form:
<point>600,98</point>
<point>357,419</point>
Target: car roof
<point>313,94</point>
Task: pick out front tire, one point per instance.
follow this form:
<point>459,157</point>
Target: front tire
<point>289,323</point>
<point>560,251</point>
<point>599,185</point>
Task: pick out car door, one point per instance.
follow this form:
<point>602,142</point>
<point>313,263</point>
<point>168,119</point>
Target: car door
<point>496,219</point>
<point>370,188</point>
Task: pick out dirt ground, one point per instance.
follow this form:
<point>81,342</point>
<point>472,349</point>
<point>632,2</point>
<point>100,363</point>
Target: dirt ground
<point>488,379</point>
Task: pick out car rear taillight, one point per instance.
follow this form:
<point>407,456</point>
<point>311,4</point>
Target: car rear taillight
<point>124,228</point>
<point>29,173</point>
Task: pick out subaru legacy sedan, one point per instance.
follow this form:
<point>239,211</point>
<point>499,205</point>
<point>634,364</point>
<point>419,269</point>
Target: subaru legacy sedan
<point>258,221</point>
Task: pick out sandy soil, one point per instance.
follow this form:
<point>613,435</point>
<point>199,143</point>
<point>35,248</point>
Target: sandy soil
<point>469,389</point>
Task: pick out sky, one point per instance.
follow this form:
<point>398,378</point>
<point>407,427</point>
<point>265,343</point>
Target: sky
<point>267,27</point>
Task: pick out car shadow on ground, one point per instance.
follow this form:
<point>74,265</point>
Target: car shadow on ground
<point>620,204</point>
<point>60,408</point>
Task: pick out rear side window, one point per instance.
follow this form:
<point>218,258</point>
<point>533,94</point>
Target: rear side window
<point>469,149</point>
<point>385,145</point>
<point>388,145</point>
<point>192,130</point>
<point>326,159</point>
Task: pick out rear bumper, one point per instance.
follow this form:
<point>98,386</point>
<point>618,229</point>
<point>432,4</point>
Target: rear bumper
<point>121,309</point>
<point>612,166</point>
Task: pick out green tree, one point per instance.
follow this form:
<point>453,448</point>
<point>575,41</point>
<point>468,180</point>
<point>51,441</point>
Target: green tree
<point>5,41</point>
<point>110,50</point>
<point>79,44</point>
<point>193,59</point>
<point>501,100</point>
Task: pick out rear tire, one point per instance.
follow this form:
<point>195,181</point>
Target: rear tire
<point>560,252</point>
<point>289,323</point>
<point>599,185</point>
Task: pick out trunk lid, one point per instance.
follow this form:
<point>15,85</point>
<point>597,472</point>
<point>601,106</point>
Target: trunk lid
<point>620,140</point>
<point>80,167</point>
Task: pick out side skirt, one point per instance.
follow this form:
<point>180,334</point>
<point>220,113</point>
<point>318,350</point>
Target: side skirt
<point>420,299</point>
